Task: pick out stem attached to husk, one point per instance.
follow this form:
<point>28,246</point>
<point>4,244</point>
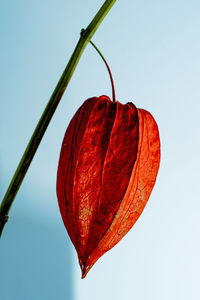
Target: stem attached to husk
<point>110,74</point>
<point>48,113</point>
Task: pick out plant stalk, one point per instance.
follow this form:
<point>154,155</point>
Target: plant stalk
<point>43,123</point>
<point>109,71</point>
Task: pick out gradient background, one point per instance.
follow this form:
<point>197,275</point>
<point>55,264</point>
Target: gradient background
<point>153,49</point>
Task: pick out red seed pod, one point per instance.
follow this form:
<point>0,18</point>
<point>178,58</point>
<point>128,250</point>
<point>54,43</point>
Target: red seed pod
<point>107,169</point>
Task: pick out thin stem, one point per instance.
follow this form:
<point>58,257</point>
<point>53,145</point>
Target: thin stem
<point>48,113</point>
<point>111,78</point>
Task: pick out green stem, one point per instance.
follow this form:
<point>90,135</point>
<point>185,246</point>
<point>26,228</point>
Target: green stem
<point>107,66</point>
<point>43,123</point>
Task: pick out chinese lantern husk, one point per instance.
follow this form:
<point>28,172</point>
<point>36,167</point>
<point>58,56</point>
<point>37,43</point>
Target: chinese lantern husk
<point>81,216</point>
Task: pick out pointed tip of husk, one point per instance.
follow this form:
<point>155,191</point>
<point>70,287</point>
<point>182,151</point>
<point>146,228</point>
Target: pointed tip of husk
<point>85,269</point>
<point>83,275</point>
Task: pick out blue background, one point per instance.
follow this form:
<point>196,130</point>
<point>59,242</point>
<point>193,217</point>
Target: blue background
<point>153,50</point>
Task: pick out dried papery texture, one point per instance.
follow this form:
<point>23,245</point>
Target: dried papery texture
<point>108,166</point>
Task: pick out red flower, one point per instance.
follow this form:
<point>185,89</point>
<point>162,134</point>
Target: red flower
<point>108,166</point>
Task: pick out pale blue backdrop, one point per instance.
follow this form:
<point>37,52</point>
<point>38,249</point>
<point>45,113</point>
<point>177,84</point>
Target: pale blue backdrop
<point>153,50</point>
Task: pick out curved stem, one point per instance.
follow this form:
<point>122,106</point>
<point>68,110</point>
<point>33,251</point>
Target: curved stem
<point>111,78</point>
<point>48,113</point>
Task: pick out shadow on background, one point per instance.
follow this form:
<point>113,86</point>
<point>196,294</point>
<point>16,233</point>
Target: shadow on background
<point>34,263</point>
